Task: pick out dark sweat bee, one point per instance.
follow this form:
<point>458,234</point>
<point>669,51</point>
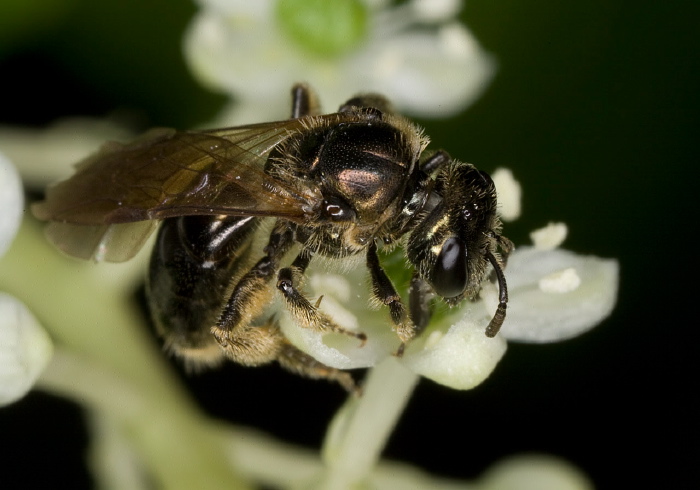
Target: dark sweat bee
<point>335,185</point>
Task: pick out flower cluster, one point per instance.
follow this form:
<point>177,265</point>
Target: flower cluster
<point>426,62</point>
<point>416,53</point>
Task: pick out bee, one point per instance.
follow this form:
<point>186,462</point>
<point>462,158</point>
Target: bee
<point>338,185</point>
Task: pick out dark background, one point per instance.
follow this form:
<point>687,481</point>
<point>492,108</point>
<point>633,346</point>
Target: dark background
<point>592,108</point>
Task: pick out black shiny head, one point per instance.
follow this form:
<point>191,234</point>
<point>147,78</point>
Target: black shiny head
<point>451,244</point>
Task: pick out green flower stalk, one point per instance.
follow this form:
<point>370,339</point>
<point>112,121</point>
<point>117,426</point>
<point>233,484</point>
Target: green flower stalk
<point>25,348</point>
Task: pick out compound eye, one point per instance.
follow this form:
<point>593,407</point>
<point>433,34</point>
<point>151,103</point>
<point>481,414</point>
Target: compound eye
<point>449,278</point>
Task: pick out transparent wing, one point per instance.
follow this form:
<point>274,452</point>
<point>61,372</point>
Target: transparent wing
<point>111,243</point>
<point>169,173</point>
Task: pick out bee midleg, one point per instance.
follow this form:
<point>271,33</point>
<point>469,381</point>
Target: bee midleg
<point>384,292</point>
<point>304,313</point>
<point>242,340</point>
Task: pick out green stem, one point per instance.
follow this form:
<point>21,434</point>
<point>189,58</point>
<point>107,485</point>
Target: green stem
<point>180,448</point>
<point>105,359</point>
<point>358,433</point>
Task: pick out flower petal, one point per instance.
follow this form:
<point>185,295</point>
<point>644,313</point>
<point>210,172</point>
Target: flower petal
<point>244,57</point>
<point>546,301</point>
<point>345,300</point>
<point>248,110</point>
<point>461,357</point>
<point>453,352</point>
<point>435,10</point>
<point>25,349</point>
<point>534,471</point>
<point>431,74</point>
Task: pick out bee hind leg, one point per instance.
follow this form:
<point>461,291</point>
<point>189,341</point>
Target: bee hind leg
<point>298,362</point>
<point>255,345</point>
<point>240,339</point>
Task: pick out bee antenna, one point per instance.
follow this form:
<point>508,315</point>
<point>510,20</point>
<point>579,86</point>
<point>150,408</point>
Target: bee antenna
<point>500,315</point>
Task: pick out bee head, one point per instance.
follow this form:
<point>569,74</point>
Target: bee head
<point>451,244</point>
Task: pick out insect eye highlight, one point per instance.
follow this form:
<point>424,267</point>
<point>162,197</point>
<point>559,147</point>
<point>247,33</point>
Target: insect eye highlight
<point>449,277</point>
<point>337,210</point>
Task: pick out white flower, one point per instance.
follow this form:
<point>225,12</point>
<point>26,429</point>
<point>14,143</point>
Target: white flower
<point>425,61</point>
<point>553,295</point>
<point>25,348</point>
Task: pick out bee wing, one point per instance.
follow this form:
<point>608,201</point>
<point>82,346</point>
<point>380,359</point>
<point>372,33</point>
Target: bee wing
<point>111,243</point>
<point>99,211</point>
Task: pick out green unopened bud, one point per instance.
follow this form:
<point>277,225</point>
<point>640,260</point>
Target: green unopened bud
<point>323,27</point>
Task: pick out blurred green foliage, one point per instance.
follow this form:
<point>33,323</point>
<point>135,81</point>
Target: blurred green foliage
<point>99,57</point>
<point>22,22</point>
